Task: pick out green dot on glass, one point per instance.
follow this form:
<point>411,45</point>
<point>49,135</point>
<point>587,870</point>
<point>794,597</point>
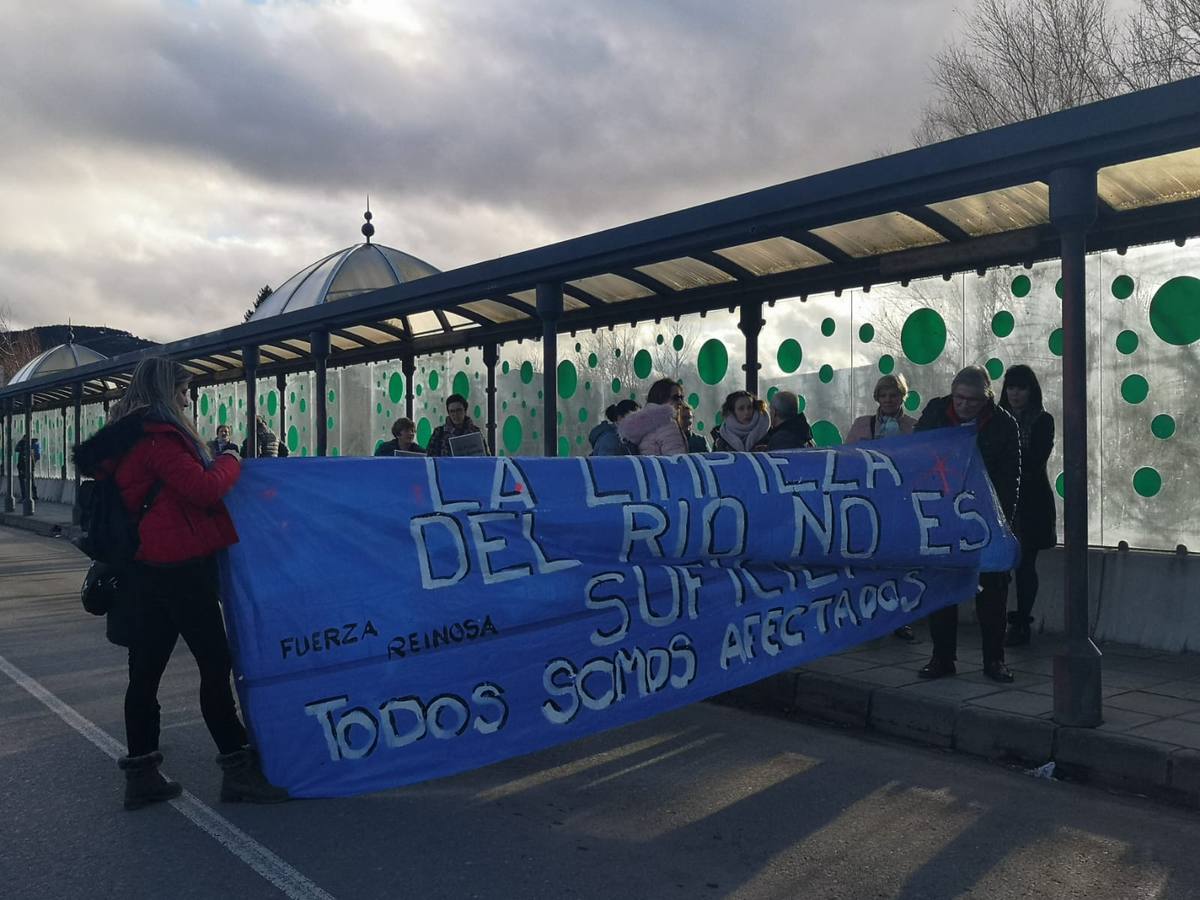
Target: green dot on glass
<point>866,332</point>
<point>1127,341</point>
<point>912,400</point>
<point>1147,481</point>
<point>825,373</point>
<point>887,363</point>
<point>994,367</point>
<point>828,327</point>
<point>1021,285</point>
<point>1162,426</point>
<point>1122,287</point>
<point>1134,389</point>
<point>1002,323</point>
<point>789,356</point>
<point>1055,342</point>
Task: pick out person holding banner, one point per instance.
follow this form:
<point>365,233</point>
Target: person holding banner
<point>998,437</point>
<point>1036,525</point>
<point>654,429</point>
<point>458,424</point>
<point>172,487</point>
<point>404,434</point>
<point>889,419</point>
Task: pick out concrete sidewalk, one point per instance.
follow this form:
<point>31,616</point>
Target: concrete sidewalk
<point>1149,742</point>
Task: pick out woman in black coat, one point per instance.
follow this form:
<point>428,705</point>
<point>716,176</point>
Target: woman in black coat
<point>1036,524</point>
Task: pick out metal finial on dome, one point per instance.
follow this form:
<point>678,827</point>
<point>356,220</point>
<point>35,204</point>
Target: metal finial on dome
<point>70,332</point>
<point>368,229</point>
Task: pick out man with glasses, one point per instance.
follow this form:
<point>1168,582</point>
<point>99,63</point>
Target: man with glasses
<point>999,440</point>
<point>458,424</point>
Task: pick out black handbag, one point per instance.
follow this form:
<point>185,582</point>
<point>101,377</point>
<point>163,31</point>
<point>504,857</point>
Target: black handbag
<point>101,585</point>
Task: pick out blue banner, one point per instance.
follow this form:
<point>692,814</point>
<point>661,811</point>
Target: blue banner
<point>398,619</point>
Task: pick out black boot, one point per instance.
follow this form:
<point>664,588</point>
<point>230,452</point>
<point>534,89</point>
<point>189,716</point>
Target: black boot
<point>243,780</point>
<point>144,784</point>
<point>1019,630</point>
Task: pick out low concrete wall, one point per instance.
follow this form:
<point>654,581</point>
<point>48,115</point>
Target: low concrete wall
<point>1135,597</point>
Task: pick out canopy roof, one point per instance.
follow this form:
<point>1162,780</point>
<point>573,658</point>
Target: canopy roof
<point>62,358</point>
<point>969,203</point>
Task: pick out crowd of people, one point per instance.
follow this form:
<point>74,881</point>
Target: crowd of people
<point>1015,436</point>
<point>172,482</point>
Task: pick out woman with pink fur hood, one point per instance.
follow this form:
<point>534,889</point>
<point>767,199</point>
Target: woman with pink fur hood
<point>655,427</point>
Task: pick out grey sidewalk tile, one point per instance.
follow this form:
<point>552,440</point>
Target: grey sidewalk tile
<point>835,665</point>
<point>1123,720</point>
<point>1131,650</point>
<point>1152,704</point>
<point>1121,760</point>
<point>908,715</point>
<point>1172,731</point>
<point>1164,670</point>
<point>1020,702</point>
<point>1130,681</point>
<point>1184,690</point>
<point>1191,717</point>
<point>886,676</point>
<point>887,656</point>
<point>1023,681</point>
<point>997,735</point>
<point>1039,666</point>
<point>958,688</point>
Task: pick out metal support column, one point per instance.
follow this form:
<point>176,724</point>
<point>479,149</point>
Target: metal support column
<point>250,368</point>
<point>320,355</point>
<point>281,389</point>
<point>549,309</point>
<point>27,505</point>
<point>1077,670</point>
<point>66,447</point>
<point>408,365</point>
<point>195,394</point>
<point>10,498</point>
<point>77,402</point>
<point>751,325</point>
<point>491,356</point>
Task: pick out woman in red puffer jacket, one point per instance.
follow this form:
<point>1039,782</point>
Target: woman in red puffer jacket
<point>161,466</point>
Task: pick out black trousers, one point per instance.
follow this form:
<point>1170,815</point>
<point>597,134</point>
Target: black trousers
<point>174,601</point>
<point>991,608</point>
<point>1027,582</point>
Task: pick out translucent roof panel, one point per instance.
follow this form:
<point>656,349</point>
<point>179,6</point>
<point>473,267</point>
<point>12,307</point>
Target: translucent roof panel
<point>774,255</point>
<point>424,323</point>
<point>363,269</point>
<point>406,266</point>
<point>570,303</point>
<point>56,359</point>
<point>456,321</point>
<point>686,273</point>
<point>355,270</point>
<point>497,312</point>
<point>370,335</point>
<point>611,288</point>
<point>1146,182</point>
<point>993,212</point>
<point>879,234</point>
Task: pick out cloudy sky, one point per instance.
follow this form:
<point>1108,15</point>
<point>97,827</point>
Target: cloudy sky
<point>160,160</point>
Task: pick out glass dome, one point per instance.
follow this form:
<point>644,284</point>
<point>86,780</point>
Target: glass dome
<point>355,270</point>
<point>57,359</point>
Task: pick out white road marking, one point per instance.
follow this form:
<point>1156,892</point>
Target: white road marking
<point>281,875</point>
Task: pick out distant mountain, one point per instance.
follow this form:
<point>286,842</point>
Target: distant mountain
<point>109,341</point>
<point>18,347</point>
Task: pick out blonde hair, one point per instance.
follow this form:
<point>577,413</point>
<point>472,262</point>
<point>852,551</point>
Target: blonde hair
<point>893,381</point>
<point>151,392</point>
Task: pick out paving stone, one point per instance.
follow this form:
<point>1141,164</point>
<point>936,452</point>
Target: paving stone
<point>835,665</point>
<point>1172,731</point>
<point>1130,681</point>
<point>883,656</point>
<point>832,699</point>
<point>1020,702</point>
<point>1121,760</point>
<point>1122,719</point>
<point>1184,690</point>
<point>1000,735</point>
<point>906,714</point>
<point>958,688</point>
<point>1153,704</point>
<point>1024,682</point>
<point>1043,666</point>
<point>887,676</point>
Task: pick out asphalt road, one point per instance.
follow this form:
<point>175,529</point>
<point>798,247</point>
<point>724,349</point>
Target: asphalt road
<point>706,802</point>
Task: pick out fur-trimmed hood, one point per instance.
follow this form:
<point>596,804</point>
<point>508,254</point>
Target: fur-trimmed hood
<point>97,456</point>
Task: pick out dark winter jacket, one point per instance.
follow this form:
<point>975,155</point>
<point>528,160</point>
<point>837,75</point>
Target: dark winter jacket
<point>439,442</point>
<point>389,448</point>
<point>1036,516</point>
<point>696,443</point>
<point>187,519</point>
<point>790,434</point>
<point>999,442</point>
<point>605,441</point>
